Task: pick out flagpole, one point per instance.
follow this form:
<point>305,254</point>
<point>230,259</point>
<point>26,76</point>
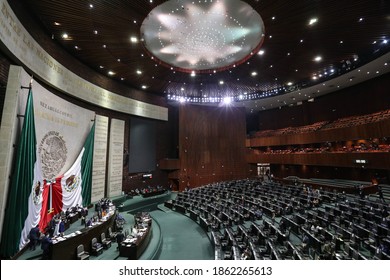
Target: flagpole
<point>29,85</point>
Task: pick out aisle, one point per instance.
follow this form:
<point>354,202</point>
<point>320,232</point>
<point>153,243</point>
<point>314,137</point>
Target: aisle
<point>183,239</point>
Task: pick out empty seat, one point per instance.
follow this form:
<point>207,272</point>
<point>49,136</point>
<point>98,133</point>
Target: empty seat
<point>105,242</point>
<point>81,254</point>
<point>111,234</point>
<point>96,247</point>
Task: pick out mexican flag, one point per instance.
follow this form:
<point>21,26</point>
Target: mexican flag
<point>24,197</point>
<point>33,200</point>
<point>73,188</point>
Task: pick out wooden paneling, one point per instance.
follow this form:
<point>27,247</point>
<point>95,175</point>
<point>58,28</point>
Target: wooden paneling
<point>212,144</point>
<point>169,164</point>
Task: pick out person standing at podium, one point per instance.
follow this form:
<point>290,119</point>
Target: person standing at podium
<point>119,238</point>
<point>34,236</point>
<point>46,246</point>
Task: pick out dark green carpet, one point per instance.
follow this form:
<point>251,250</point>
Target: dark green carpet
<point>183,239</point>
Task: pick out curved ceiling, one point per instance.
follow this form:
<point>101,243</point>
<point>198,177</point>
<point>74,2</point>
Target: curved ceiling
<point>295,45</point>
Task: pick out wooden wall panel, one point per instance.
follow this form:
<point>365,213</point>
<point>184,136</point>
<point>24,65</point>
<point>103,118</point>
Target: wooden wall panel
<point>212,144</point>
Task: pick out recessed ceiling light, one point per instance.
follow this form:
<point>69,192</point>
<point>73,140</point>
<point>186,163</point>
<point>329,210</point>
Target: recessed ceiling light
<point>111,73</point>
<point>313,21</point>
<point>139,72</point>
<point>133,39</point>
<point>91,6</point>
<point>221,82</point>
<point>57,23</point>
<point>95,32</point>
<point>227,100</point>
<point>261,52</point>
<point>193,74</point>
<point>101,66</point>
<point>65,36</point>
<point>318,58</point>
<point>289,83</point>
<point>361,19</point>
<point>144,87</point>
<point>254,74</point>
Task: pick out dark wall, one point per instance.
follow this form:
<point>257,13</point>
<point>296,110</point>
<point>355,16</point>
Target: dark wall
<point>364,98</point>
<point>212,144</point>
<point>166,147</point>
<point>142,145</point>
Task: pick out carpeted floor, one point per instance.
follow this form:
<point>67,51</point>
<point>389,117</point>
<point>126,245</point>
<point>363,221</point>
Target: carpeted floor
<point>183,239</point>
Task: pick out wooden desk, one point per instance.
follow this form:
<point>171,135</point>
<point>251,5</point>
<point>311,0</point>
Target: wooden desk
<point>153,193</point>
<point>134,250</point>
<point>66,250</point>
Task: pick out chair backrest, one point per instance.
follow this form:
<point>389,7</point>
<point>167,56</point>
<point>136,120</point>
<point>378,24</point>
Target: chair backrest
<point>94,241</point>
<point>103,237</point>
<point>80,249</point>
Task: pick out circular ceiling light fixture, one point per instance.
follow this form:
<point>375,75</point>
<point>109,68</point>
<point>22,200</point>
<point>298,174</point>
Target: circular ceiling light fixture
<point>203,36</point>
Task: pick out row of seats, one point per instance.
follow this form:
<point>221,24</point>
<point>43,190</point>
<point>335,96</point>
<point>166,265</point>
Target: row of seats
<point>96,247</point>
<point>323,231</point>
<point>324,125</point>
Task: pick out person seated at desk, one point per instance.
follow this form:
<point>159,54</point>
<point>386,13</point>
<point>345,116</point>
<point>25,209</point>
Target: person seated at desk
<point>305,243</point>
<point>282,226</point>
<point>89,223</point>
<point>328,251</point>
<point>247,254</point>
<point>134,231</point>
